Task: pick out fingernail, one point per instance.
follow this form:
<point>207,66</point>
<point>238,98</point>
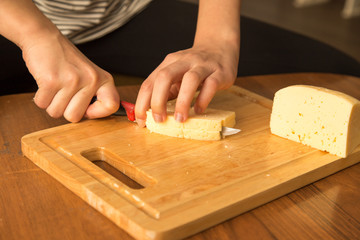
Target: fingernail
<point>179,117</point>
<point>140,122</point>
<point>198,109</point>
<point>158,118</point>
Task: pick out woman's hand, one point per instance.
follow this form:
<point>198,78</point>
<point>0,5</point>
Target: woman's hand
<point>205,67</point>
<point>67,80</point>
<point>210,65</point>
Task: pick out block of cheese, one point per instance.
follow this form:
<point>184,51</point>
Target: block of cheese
<point>206,126</point>
<point>318,117</point>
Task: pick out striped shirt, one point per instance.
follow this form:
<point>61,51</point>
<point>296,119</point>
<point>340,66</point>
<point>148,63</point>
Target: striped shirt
<point>86,20</point>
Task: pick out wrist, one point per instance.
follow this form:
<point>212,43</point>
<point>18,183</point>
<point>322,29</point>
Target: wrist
<point>228,39</point>
<point>36,32</point>
<point>219,24</point>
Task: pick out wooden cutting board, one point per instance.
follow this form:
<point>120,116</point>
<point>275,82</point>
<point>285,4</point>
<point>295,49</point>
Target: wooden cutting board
<point>159,187</point>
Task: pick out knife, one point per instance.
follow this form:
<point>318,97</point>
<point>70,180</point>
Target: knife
<point>127,109</point>
<point>228,131</point>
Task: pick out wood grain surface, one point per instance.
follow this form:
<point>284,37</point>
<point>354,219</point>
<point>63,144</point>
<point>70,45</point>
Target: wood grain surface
<point>187,185</point>
<point>35,206</point>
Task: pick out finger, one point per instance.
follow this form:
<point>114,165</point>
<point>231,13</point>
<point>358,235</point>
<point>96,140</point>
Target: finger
<point>44,97</point>
<point>162,84</point>
<point>174,90</point>
<point>190,83</point>
<point>108,102</point>
<point>59,102</point>
<point>78,105</point>
<point>143,101</point>
<point>207,92</point>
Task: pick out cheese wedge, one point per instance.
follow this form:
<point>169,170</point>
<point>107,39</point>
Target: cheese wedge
<point>321,118</point>
<point>206,126</point>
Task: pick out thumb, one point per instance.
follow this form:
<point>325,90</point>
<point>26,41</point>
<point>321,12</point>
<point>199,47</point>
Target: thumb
<point>108,102</point>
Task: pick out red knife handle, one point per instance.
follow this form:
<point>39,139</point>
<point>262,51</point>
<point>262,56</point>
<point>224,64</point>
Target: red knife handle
<point>129,109</point>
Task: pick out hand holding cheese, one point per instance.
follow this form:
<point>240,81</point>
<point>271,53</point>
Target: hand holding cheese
<point>209,65</point>
<point>321,118</point>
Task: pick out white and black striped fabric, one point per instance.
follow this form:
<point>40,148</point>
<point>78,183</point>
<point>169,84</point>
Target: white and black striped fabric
<point>86,20</point>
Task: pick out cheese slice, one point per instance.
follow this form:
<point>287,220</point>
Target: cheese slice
<point>318,117</point>
<point>206,126</point>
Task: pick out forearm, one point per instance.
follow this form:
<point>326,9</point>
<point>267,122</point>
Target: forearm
<point>219,22</point>
<point>22,22</point>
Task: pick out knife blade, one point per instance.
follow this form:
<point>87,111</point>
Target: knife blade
<point>228,131</point>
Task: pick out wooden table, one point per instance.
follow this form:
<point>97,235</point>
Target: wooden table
<point>35,206</point>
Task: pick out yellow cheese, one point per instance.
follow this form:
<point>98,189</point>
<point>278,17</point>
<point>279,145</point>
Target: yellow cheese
<point>321,118</point>
<point>206,126</point>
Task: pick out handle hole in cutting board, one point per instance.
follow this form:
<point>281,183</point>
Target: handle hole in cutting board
<point>117,174</point>
<point>117,167</point>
